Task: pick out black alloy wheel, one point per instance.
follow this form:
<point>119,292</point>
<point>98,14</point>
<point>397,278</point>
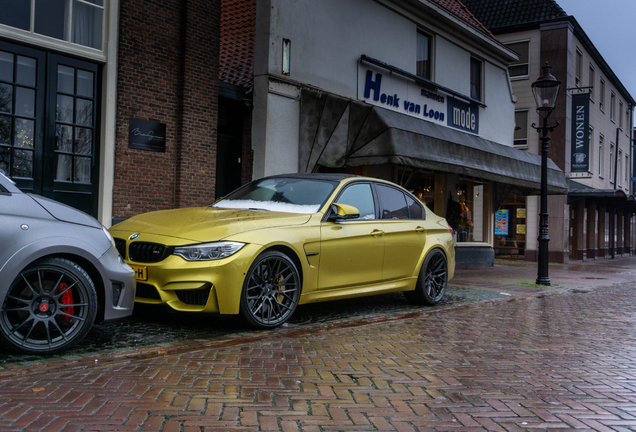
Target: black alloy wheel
<point>271,290</point>
<point>49,307</point>
<point>431,284</point>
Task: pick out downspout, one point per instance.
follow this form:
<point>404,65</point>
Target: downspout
<point>613,221</point>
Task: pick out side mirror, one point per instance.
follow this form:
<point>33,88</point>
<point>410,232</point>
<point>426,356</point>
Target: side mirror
<point>343,212</point>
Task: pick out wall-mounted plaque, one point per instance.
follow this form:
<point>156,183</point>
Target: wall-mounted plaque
<point>147,135</point>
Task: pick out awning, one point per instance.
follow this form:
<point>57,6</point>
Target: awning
<point>608,198</point>
<point>338,132</point>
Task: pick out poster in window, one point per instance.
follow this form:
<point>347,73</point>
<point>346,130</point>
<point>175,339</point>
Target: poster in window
<point>521,213</point>
<point>521,228</point>
<point>501,222</point>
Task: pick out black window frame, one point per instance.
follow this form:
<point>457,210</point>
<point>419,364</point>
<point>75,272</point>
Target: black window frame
<point>520,64</point>
<point>474,62</point>
<point>429,72</point>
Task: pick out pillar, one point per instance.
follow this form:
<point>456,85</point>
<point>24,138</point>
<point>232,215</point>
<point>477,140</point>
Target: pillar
<point>601,229</point>
<point>592,234</point>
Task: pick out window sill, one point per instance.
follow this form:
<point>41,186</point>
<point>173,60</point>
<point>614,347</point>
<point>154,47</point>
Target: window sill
<point>520,78</point>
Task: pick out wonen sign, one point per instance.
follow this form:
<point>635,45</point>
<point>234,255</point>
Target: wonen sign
<point>580,133</point>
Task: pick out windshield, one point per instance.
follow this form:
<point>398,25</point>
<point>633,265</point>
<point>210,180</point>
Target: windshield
<point>289,195</point>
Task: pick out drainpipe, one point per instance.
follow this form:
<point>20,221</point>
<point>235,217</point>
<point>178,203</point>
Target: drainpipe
<point>613,220</point>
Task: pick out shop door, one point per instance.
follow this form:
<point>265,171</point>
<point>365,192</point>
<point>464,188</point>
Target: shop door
<point>228,164</point>
<point>22,96</point>
<point>70,173</point>
<point>48,134</point>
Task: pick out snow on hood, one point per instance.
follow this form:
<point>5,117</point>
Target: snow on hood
<point>268,205</point>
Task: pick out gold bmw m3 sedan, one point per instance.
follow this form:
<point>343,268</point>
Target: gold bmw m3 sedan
<point>286,240</point>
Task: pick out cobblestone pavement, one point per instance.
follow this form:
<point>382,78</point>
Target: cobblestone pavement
<point>147,328</point>
<point>557,359</point>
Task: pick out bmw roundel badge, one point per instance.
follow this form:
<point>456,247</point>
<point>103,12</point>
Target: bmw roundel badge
<point>134,236</point>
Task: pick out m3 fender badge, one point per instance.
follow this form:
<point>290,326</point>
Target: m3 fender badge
<point>134,236</point>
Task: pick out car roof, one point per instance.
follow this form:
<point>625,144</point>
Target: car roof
<point>315,176</point>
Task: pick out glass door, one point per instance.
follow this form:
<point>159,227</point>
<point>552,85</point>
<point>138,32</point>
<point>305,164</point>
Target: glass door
<point>71,172</point>
<point>22,95</point>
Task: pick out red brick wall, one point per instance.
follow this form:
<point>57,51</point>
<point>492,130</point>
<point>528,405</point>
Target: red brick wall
<point>168,73</point>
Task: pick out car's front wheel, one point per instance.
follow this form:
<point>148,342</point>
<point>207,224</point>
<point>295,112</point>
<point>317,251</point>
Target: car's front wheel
<point>431,284</point>
<point>49,307</point>
<point>271,290</point>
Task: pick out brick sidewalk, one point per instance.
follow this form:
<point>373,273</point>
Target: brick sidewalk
<point>558,359</point>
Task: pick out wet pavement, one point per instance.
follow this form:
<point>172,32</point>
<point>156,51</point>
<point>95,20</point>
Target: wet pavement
<point>151,326</point>
<point>500,354</point>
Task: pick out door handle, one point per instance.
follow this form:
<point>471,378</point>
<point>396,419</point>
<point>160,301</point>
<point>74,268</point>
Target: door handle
<point>377,233</point>
<point>420,229</point>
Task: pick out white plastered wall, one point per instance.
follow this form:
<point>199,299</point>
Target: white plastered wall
<point>327,39</point>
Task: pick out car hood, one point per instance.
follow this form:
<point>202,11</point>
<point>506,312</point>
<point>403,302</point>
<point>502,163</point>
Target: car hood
<point>65,213</point>
<point>203,224</point>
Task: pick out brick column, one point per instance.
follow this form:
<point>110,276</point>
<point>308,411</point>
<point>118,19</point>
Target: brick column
<point>627,240</point>
<point>592,234</point>
<point>168,72</point>
<point>620,230</point>
<point>578,239</point>
<point>196,153</point>
<point>601,226</point>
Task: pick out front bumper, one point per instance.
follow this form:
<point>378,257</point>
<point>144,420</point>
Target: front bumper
<point>119,284</point>
<point>196,286</point>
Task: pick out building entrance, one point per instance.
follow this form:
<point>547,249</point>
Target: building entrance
<point>48,125</point>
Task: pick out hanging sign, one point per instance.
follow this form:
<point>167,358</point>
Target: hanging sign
<point>580,133</point>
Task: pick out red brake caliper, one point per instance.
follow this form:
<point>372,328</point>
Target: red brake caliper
<point>67,298</point>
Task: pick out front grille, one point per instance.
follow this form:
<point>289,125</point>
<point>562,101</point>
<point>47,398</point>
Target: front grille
<point>147,291</point>
<point>148,252</point>
<point>197,297</point>
<point>120,244</point>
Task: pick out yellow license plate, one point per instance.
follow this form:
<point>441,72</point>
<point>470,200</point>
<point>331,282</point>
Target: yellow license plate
<point>141,273</point>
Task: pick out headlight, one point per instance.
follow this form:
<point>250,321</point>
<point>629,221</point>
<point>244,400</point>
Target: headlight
<point>110,237</point>
<point>208,251</point>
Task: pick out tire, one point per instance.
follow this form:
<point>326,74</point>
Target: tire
<point>49,307</point>
<point>431,284</point>
<point>271,290</point>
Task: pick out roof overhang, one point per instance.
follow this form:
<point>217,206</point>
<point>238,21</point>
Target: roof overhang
<point>608,198</point>
<point>338,132</point>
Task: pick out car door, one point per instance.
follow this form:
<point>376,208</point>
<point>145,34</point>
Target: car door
<point>352,251</point>
<point>405,232</point>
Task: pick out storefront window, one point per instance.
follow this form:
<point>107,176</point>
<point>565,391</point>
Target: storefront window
<point>424,189</point>
<point>510,227</point>
<point>467,212</point>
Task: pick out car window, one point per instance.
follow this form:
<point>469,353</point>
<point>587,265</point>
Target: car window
<point>361,197</point>
<point>393,203</point>
<point>415,209</point>
<point>291,195</point>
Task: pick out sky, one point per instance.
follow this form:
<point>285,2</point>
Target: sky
<point>611,26</point>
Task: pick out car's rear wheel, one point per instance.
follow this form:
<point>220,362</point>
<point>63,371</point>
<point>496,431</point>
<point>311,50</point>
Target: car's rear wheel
<point>271,290</point>
<point>431,284</point>
<point>49,307</point>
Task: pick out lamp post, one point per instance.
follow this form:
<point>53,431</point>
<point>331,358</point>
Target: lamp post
<point>545,90</point>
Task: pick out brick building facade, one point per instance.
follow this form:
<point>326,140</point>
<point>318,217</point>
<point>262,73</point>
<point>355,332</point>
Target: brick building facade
<point>167,73</point>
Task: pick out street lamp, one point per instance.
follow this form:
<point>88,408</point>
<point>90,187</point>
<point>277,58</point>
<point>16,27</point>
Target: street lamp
<point>545,90</point>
